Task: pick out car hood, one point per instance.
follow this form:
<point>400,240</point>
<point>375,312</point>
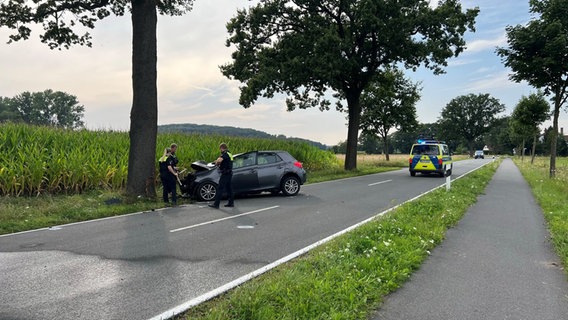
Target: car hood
<point>202,166</point>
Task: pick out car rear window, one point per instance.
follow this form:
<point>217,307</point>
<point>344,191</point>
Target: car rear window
<point>267,158</point>
<point>425,149</point>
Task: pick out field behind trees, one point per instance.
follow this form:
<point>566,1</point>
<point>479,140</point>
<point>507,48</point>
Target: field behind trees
<point>38,160</point>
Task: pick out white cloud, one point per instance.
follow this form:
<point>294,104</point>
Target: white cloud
<point>491,81</point>
<point>486,44</point>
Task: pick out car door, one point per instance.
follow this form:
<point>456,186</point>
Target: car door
<point>270,168</point>
<point>245,174</point>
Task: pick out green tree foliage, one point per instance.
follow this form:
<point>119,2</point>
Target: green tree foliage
<point>528,115</point>
<point>389,103</point>
<point>8,112</point>
<point>469,117</point>
<point>369,143</point>
<point>64,23</point>
<point>402,141</point>
<point>340,148</point>
<point>538,53</point>
<point>309,48</point>
<point>49,108</point>
<point>498,139</point>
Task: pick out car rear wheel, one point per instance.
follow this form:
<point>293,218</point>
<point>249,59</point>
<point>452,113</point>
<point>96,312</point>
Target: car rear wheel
<point>206,191</point>
<point>413,173</point>
<point>290,186</point>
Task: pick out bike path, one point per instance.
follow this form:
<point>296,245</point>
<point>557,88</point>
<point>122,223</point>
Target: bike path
<point>497,263</point>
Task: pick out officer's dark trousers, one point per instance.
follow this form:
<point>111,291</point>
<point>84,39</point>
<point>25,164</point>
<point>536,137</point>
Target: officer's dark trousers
<point>224,187</point>
<point>169,184</point>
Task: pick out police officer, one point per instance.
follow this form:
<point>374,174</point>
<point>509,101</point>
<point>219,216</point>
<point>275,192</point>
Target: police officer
<point>225,164</point>
<point>168,173</point>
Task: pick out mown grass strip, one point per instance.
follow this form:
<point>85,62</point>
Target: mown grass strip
<point>551,195</point>
<point>348,277</point>
<point>22,213</point>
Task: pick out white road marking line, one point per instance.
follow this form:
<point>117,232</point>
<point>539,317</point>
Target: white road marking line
<point>222,219</point>
<point>380,182</point>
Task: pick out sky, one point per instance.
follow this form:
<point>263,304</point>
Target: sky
<point>191,88</point>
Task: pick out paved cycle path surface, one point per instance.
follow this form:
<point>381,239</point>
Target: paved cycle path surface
<point>497,263</point>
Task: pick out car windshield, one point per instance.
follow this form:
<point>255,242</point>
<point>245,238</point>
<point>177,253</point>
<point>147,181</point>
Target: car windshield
<point>425,149</point>
<point>478,152</point>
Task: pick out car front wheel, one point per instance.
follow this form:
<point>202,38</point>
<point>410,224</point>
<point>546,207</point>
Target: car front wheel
<point>290,186</point>
<point>206,191</point>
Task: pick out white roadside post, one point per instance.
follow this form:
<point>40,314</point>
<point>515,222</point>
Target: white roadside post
<point>448,183</point>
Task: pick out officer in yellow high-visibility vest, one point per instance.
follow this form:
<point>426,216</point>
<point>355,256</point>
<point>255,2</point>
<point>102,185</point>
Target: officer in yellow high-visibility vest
<point>225,164</point>
<point>169,174</point>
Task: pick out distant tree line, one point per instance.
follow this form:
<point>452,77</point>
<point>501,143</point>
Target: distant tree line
<point>47,108</point>
<point>472,122</point>
<point>232,131</point>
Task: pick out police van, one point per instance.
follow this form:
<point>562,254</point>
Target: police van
<point>430,156</point>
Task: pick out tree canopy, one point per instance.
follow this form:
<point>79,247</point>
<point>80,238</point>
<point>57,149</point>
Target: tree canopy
<point>528,115</point>
<point>469,117</point>
<point>47,108</point>
<point>8,112</point>
<point>538,53</point>
<point>389,103</point>
<point>308,49</point>
<point>66,23</point>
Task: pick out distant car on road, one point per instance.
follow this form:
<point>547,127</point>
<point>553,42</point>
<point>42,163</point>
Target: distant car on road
<point>479,154</point>
<point>253,172</point>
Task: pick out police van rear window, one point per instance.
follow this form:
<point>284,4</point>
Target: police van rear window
<point>425,149</point>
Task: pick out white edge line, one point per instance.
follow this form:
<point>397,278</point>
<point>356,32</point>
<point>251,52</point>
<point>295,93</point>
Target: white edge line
<point>380,182</point>
<point>223,219</point>
<point>86,221</point>
<point>228,286</point>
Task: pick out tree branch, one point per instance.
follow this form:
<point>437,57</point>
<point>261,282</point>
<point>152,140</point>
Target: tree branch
<point>44,10</point>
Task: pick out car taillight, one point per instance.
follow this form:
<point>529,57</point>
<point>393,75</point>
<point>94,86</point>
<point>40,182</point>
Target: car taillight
<point>440,161</point>
<point>298,164</point>
<point>409,160</point>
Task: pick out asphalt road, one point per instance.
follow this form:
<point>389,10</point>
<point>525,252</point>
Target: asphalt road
<point>141,265</point>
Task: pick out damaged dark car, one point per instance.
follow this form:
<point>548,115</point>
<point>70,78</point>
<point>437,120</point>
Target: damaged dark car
<point>253,172</point>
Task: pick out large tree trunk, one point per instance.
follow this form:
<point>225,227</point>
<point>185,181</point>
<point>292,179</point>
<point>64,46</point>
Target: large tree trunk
<point>386,146</point>
<point>144,113</point>
<point>523,151</point>
<point>533,148</point>
<point>552,170</point>
<point>353,130</point>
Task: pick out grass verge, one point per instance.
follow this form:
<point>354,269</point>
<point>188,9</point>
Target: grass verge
<point>551,196</point>
<point>348,277</point>
<point>28,213</point>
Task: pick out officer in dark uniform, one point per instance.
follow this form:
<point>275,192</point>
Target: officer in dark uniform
<point>225,164</point>
<point>168,174</point>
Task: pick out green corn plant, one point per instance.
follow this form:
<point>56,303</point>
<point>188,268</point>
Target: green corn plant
<point>37,160</point>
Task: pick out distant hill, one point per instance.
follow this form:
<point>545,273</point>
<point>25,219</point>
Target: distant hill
<point>231,131</point>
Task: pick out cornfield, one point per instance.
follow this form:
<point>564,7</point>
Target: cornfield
<point>36,160</point>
